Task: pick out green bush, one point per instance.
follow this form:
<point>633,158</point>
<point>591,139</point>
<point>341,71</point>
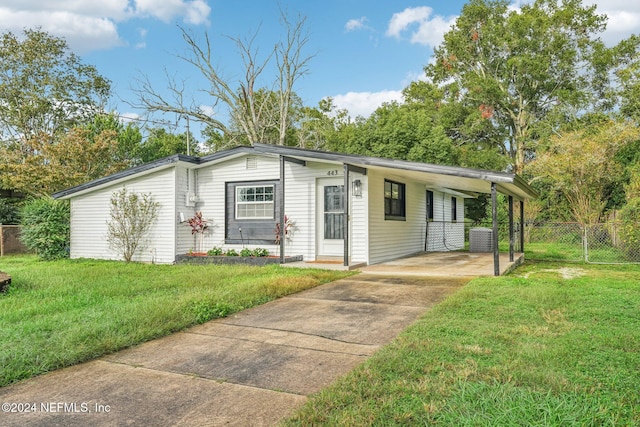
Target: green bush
<point>232,252</point>
<point>246,252</point>
<point>260,252</point>
<point>46,227</point>
<point>9,212</point>
<point>215,251</point>
<point>630,230</point>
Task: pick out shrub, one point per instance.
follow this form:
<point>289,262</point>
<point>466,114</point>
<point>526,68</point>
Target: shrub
<point>630,230</point>
<point>132,216</point>
<point>246,252</point>
<point>260,252</point>
<point>215,251</point>
<point>46,227</point>
<point>232,252</point>
<point>9,212</point>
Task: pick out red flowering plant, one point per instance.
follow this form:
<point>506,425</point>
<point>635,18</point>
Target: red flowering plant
<point>198,225</point>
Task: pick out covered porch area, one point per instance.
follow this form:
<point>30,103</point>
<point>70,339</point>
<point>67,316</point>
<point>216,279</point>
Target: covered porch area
<point>432,264</point>
<point>449,264</point>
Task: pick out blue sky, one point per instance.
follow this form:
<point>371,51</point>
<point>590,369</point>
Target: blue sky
<point>366,51</point>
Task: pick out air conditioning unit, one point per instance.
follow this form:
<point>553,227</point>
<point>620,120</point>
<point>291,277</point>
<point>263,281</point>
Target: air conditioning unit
<point>191,199</point>
<point>481,240</point>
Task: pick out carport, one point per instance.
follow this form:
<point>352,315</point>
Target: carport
<point>447,264</point>
<point>431,264</point>
<point>454,180</point>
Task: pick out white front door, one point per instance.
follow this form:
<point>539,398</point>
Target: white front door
<point>330,217</point>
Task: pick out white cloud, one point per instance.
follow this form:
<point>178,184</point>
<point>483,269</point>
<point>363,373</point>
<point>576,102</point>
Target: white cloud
<point>623,19</point>
<point>356,24</point>
<point>208,110</point>
<point>82,32</point>
<point>418,21</point>
<point>129,117</point>
<point>93,25</point>
<point>193,12</point>
<point>365,103</point>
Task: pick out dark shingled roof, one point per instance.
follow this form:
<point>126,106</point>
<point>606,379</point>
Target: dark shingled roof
<point>456,178</point>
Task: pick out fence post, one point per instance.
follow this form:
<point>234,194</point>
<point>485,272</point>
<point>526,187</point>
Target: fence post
<point>585,243</point>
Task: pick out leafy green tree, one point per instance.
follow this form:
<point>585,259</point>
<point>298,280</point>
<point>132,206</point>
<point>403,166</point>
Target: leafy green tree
<point>582,166</point>
<point>132,216</point>
<point>9,211</point>
<point>76,158</point>
<point>45,227</point>
<point>630,217</point>
<point>519,68</point>
<point>159,143</point>
<point>128,136</point>
<point>396,131</point>
<point>45,89</point>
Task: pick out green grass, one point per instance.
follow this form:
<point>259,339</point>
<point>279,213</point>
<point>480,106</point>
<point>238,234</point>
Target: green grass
<point>554,251</point>
<point>574,252</point>
<point>60,313</point>
<point>529,349</point>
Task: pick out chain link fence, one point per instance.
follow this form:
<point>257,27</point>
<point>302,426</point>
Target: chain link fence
<point>607,243</point>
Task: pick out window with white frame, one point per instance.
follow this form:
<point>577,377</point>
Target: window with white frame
<point>255,202</point>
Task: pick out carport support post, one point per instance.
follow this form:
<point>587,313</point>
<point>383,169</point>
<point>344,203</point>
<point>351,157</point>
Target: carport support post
<point>281,200</point>
<point>494,216</point>
<point>511,236</point>
<point>522,225</point>
<point>345,224</point>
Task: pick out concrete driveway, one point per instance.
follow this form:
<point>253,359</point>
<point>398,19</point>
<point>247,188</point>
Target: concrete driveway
<point>250,369</point>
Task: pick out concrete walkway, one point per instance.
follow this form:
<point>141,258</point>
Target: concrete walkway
<point>250,369</point>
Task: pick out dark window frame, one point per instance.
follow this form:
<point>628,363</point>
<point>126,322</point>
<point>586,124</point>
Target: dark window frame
<point>454,209</point>
<point>259,231</point>
<point>430,207</point>
<point>395,208</point>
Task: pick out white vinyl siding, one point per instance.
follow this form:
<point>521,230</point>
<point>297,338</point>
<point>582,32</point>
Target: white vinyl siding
<point>300,203</point>
<point>443,234</point>
<point>394,239</point>
<point>185,183</point>
<point>212,187</point>
<point>359,219</point>
<point>90,213</point>
<point>300,206</point>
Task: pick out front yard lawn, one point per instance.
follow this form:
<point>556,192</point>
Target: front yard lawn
<point>64,312</point>
<point>549,345</point>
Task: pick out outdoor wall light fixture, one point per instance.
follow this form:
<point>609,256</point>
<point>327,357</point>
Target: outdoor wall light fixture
<point>357,188</point>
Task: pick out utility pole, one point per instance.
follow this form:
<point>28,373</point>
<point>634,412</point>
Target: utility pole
<point>188,143</point>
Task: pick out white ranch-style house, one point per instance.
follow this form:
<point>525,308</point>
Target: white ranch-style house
<point>357,209</point>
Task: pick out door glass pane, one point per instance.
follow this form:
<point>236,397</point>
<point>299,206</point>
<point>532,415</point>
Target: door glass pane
<point>333,212</point>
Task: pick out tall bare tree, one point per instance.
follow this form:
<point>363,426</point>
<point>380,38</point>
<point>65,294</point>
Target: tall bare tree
<point>252,115</point>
